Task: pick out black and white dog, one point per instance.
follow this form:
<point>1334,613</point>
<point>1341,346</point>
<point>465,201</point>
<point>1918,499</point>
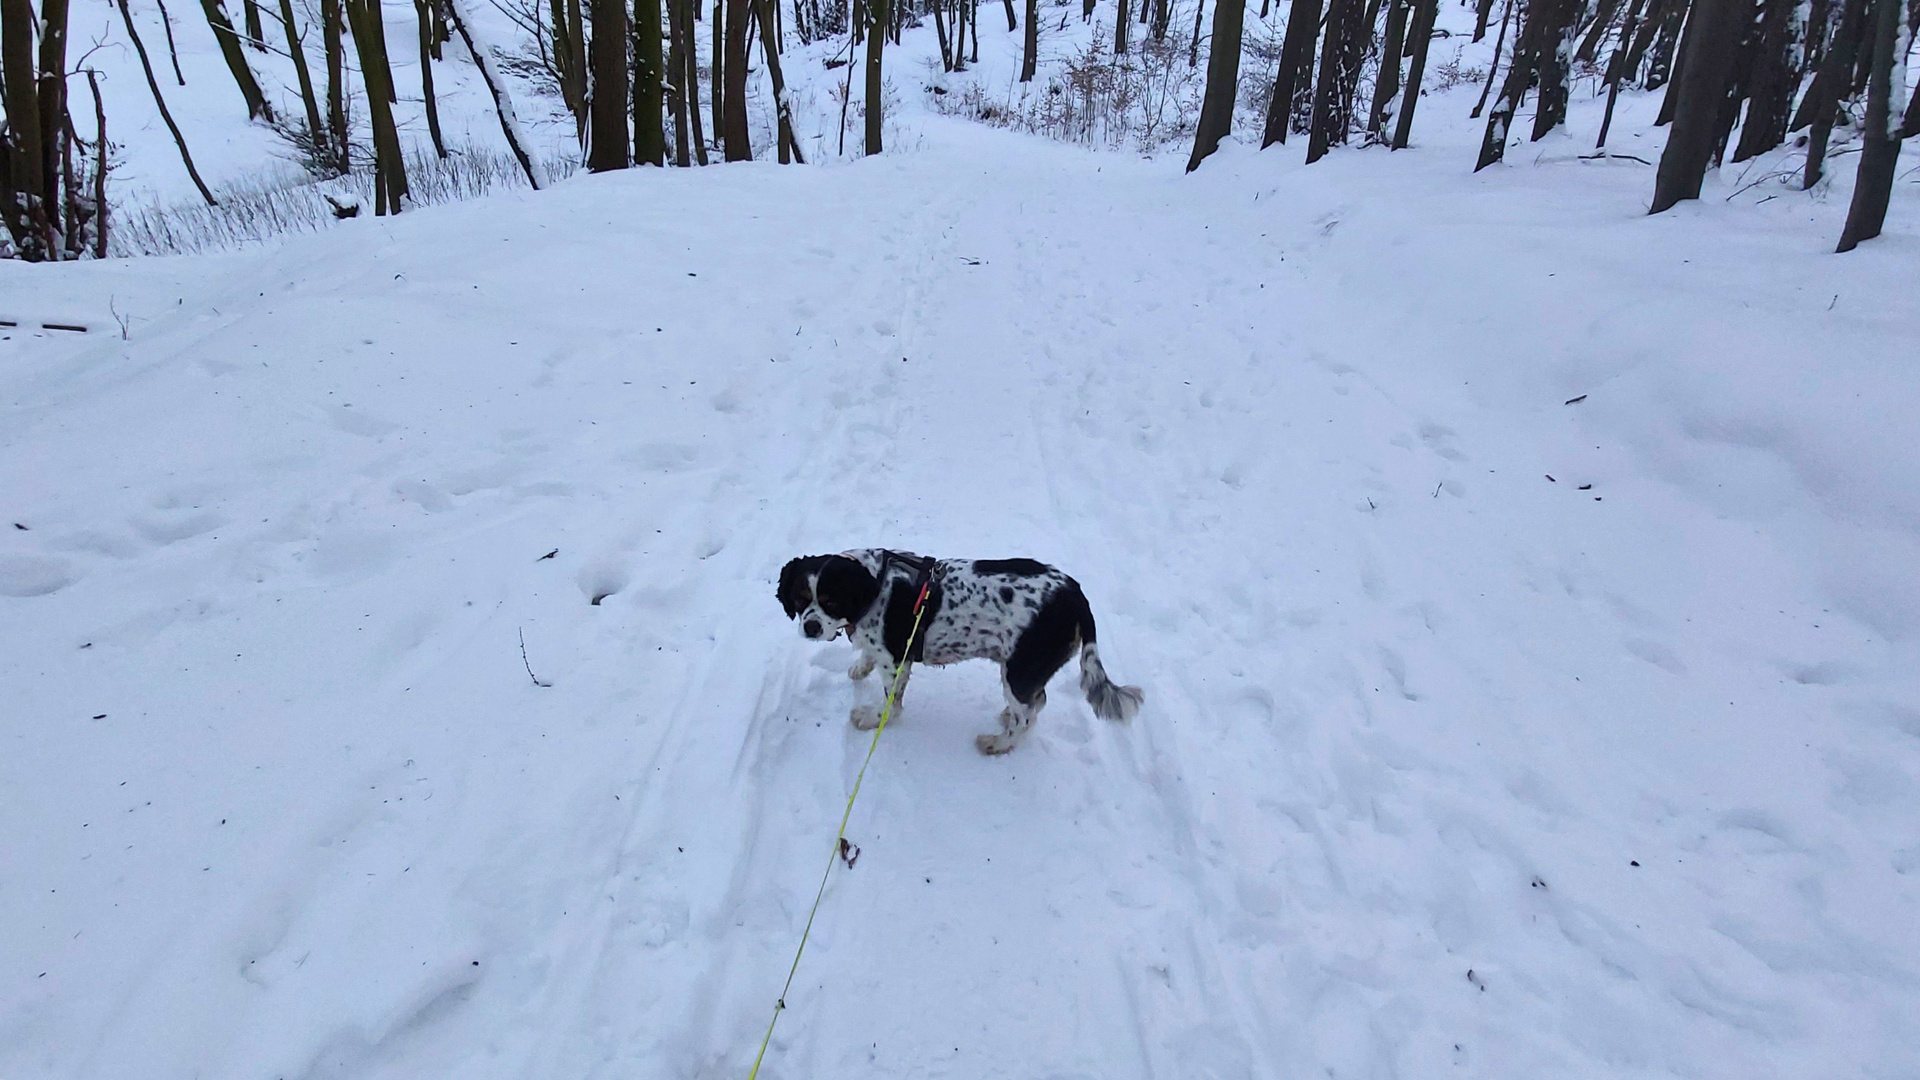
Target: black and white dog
<point>1023,615</point>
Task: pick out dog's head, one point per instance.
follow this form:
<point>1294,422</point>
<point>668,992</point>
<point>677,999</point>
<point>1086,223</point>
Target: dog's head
<point>826,593</point>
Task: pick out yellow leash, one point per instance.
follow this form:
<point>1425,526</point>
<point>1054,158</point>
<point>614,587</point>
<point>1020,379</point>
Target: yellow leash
<point>840,838</point>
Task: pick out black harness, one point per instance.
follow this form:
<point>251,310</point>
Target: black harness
<point>896,632</point>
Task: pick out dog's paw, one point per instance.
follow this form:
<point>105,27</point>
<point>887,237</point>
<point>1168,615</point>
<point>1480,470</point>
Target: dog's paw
<point>995,745</point>
<point>865,717</point>
<point>861,668</point>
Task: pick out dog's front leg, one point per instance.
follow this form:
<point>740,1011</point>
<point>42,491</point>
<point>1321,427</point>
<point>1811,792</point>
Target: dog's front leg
<point>867,717</point>
<point>861,668</point>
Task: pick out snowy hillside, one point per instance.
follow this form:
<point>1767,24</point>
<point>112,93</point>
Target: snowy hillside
<point>1523,590</point>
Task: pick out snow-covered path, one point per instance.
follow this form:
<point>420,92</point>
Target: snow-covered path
<point>1445,765</point>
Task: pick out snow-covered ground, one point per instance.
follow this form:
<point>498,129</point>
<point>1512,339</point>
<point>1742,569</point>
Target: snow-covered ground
<point>1451,763</point>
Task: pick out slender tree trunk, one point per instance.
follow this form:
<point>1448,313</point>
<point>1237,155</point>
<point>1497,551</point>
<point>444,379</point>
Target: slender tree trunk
<point>1340,56</point>
<point>1706,65</point>
<point>694,123</point>
<point>1771,82</point>
<point>649,89</point>
<point>739,14</point>
<point>390,170</point>
<point>1120,29</point>
<point>52,95</point>
<point>1193,45</point>
<point>1493,67</point>
<point>1223,80</point>
<point>173,53</point>
<point>1617,71</point>
<point>160,103</point>
<point>1879,136</point>
<point>1598,24</point>
<point>1520,71</point>
<point>502,103</point>
<point>1162,15</point>
<point>1030,51</point>
<point>676,81</point>
<point>1387,84</point>
<point>881,10</point>
<point>1560,21</point>
<point>332,25</point>
<point>1424,13</point>
<point>1676,67</point>
<point>717,65</point>
<point>783,109</point>
<point>1823,98</point>
<point>316,131</point>
<point>940,31</point>
<point>255,36</point>
<point>1296,60</point>
<point>1482,11</point>
<point>229,41</point>
<point>1663,54</point>
<point>99,168</point>
<point>423,10</point>
<point>27,201</point>
<point>1012,24</point>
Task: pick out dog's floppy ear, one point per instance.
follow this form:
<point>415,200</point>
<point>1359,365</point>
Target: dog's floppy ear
<point>845,588</point>
<point>794,592</point>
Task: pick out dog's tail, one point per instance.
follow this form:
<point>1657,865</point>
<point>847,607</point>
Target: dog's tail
<point>1109,700</point>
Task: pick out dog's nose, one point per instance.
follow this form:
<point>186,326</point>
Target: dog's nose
<point>811,629</point>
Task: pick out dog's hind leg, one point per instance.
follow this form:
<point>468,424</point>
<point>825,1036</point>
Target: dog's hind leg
<point>867,717</point>
<point>1015,720</point>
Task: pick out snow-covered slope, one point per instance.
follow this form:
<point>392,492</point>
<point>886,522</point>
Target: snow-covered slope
<point>1451,764</point>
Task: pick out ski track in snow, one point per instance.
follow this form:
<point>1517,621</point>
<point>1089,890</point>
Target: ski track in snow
<point>1413,710</point>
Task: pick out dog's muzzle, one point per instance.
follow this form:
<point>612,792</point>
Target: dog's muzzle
<point>811,628</point>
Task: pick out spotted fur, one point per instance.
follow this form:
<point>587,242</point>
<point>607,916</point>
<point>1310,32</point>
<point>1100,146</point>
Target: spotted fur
<point>1025,616</point>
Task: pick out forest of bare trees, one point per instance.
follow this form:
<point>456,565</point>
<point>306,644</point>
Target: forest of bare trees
<point>1738,78</point>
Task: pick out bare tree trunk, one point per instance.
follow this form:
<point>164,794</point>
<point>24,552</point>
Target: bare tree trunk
<point>789,146</point>
<point>24,199</point>
<point>1424,13</point>
<point>1705,66</point>
<point>676,81</point>
<point>173,53</point>
<point>718,82</point>
<point>1162,15</point>
<point>1223,80</point>
<point>332,20</point>
<point>390,170</point>
<point>881,11</point>
<point>1493,67</point>
<point>223,32</point>
<point>738,142</point>
<point>53,99</point>
<point>1030,51</point>
<point>1193,44</point>
<point>99,168</point>
<point>940,32</point>
<point>649,105</point>
<point>1340,57</point>
<point>607,146</point>
<point>1482,11</point>
<point>1560,21</point>
<point>1011,24</point>
<point>1823,97</point>
<point>1879,136</point>
<point>1520,70</point>
<point>1771,82</point>
<point>694,123</point>
<point>423,10</point>
<point>153,84</point>
<point>1617,71</point>
<point>1387,84</point>
<point>316,132</point>
<point>1296,59</point>
<point>1120,29</point>
<point>502,104</point>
